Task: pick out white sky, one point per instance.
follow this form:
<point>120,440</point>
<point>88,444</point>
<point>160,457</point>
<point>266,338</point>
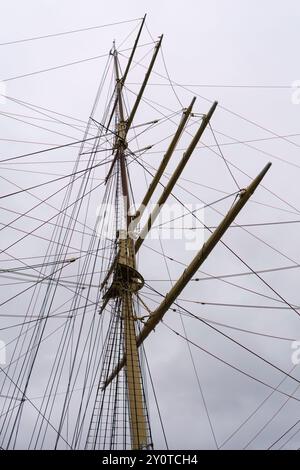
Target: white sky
<point>249,51</point>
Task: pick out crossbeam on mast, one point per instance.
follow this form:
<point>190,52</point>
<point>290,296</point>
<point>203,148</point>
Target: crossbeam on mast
<point>166,158</point>
<point>120,84</point>
<point>157,315</point>
<point>174,178</point>
<point>144,84</point>
<point>127,67</point>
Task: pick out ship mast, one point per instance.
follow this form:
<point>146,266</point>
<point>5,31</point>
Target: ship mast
<point>118,417</point>
<point>123,281</point>
<point>126,281</point>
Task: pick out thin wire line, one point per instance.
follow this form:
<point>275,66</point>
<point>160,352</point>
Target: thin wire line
<point>63,33</point>
<point>222,155</point>
<point>68,64</point>
<point>231,365</point>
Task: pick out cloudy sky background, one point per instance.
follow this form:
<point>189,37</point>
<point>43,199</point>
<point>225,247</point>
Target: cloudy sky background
<point>245,56</point>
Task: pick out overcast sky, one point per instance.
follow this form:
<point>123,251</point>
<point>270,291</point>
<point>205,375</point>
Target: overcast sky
<point>245,56</point>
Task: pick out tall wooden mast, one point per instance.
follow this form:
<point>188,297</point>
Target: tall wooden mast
<point>123,280</point>
<point>126,281</point>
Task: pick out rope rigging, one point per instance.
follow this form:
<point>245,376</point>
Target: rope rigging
<point>96,387</point>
